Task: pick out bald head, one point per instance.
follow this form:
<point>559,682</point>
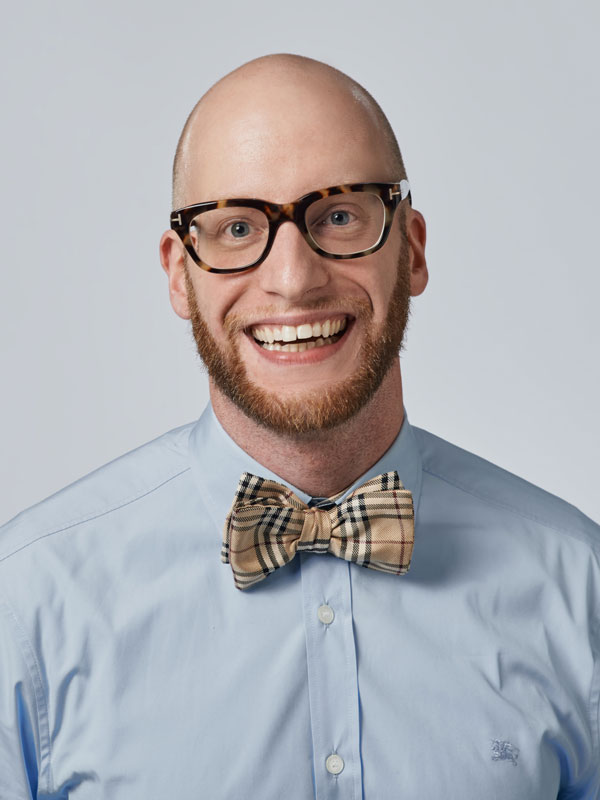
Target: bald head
<point>282,117</point>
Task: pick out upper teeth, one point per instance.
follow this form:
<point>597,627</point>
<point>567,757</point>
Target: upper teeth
<point>290,333</point>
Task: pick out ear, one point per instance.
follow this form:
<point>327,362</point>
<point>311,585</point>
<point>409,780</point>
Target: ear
<point>172,258</point>
<point>416,232</point>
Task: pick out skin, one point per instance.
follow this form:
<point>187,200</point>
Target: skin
<point>276,129</point>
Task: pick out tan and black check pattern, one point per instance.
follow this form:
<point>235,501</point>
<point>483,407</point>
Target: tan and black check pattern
<point>268,524</point>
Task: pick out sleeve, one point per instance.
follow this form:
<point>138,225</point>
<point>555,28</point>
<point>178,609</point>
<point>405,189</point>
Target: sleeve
<point>21,708</point>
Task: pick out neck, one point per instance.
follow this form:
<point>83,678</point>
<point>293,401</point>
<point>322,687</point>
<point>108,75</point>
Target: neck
<point>328,462</point>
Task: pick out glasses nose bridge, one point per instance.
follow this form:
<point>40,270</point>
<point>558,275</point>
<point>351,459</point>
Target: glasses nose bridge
<point>286,212</point>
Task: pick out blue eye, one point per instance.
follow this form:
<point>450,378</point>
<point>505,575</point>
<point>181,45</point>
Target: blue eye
<point>239,229</point>
<point>339,218</point>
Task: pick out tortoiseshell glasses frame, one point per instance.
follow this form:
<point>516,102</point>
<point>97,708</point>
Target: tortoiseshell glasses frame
<point>391,195</point>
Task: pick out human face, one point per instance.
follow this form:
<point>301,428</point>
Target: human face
<point>310,411</point>
<point>279,144</point>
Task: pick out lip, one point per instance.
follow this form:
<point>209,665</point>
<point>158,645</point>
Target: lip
<point>313,356</point>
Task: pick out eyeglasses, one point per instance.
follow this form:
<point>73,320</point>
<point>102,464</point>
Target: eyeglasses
<point>348,221</point>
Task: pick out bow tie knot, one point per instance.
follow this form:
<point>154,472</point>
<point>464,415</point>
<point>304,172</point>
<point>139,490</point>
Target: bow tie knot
<point>268,524</point>
<point>316,529</point>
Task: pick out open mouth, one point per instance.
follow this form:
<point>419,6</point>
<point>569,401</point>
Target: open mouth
<point>298,338</point>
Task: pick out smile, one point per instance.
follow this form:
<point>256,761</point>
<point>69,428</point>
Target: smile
<point>298,338</point>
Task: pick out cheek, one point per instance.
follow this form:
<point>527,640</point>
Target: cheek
<point>381,305</point>
<point>211,300</point>
<point>214,316</point>
<point>377,287</point>
<point>385,277</point>
<point>376,275</point>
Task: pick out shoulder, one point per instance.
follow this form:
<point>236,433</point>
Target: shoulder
<point>498,488</point>
<point>121,482</point>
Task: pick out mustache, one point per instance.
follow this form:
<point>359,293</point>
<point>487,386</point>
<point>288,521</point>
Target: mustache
<point>237,322</point>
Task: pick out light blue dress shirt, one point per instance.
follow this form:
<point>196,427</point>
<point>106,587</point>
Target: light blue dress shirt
<point>131,668</point>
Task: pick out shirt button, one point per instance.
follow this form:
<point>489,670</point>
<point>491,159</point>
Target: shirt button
<point>334,764</point>
<point>325,614</point>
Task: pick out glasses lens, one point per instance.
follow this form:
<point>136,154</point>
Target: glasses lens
<point>229,238</point>
<point>346,223</point>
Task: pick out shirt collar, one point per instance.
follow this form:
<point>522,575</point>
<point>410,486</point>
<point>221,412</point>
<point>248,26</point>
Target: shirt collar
<point>217,463</point>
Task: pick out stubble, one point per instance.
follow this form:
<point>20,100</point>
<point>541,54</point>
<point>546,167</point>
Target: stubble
<point>313,411</point>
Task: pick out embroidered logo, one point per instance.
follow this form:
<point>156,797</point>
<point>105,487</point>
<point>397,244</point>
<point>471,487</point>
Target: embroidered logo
<point>504,751</point>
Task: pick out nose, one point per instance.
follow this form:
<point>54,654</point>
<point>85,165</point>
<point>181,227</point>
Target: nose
<point>292,269</point>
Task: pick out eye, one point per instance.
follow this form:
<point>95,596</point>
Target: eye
<point>239,229</point>
<point>338,218</point>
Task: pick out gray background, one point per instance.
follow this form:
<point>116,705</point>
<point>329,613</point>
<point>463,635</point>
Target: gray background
<point>496,109</point>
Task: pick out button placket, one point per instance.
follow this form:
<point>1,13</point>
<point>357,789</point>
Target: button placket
<point>332,678</point>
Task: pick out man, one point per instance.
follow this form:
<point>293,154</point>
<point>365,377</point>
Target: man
<point>136,664</point>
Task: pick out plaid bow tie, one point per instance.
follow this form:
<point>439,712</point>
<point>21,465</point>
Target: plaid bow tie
<point>268,524</point>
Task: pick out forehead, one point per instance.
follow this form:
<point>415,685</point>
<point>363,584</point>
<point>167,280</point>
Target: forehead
<point>279,139</point>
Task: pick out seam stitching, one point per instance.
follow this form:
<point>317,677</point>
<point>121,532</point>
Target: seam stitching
<point>94,515</point>
<point>41,701</point>
<point>594,696</point>
<point>518,512</point>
